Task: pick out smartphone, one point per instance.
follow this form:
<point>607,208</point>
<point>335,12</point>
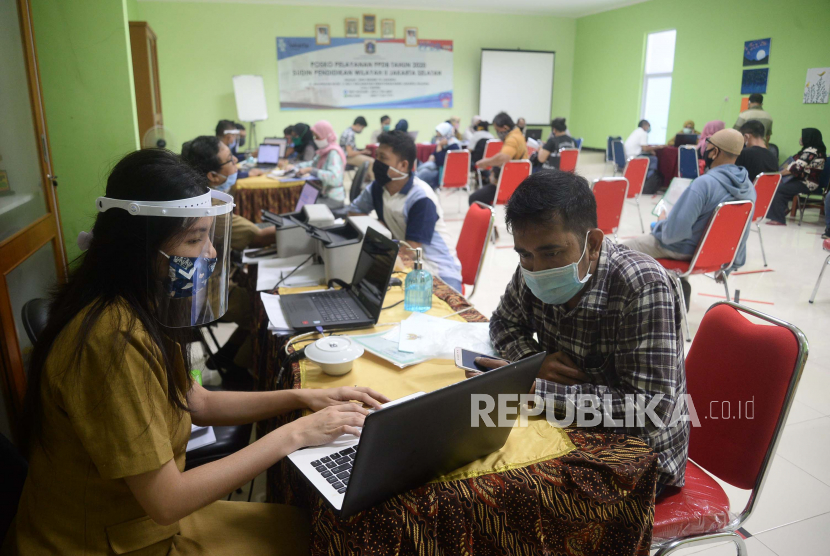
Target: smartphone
<point>465,359</point>
<point>265,251</point>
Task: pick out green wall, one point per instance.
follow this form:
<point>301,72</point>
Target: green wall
<point>202,45</point>
<point>87,81</point>
<point>610,52</point>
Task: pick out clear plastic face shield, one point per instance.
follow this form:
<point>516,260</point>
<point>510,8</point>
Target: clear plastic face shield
<point>189,280</point>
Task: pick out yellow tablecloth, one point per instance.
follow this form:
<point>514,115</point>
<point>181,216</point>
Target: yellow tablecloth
<point>263,182</point>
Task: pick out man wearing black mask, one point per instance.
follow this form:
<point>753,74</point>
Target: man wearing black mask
<point>409,207</point>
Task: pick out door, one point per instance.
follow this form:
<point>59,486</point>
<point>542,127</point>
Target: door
<point>32,256</point>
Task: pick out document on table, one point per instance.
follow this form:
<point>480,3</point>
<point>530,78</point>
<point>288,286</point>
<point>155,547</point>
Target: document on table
<point>247,259</point>
<point>672,195</point>
<point>276,318</point>
<point>271,271</point>
<point>199,437</point>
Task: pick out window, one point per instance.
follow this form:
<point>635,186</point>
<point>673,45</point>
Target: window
<point>657,84</point>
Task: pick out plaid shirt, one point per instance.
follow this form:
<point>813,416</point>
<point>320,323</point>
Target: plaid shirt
<point>347,139</point>
<point>625,334</point>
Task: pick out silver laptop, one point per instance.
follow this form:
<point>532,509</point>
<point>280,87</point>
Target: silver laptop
<point>268,156</point>
<point>413,134</point>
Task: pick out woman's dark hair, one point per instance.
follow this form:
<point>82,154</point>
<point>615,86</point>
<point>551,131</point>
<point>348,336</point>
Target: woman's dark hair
<point>553,196</point>
<point>483,125</point>
<point>402,125</point>
<point>401,144</point>
<point>302,131</point>
<point>502,120</point>
<point>115,272</point>
<point>288,131</point>
<point>203,153</point>
<point>558,124</point>
<point>360,120</point>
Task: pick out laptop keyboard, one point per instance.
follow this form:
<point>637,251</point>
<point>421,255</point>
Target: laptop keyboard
<point>336,468</point>
<point>334,308</point>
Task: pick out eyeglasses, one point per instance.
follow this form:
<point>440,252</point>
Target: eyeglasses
<point>226,162</point>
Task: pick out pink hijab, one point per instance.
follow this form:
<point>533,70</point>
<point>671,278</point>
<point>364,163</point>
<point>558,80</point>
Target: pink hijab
<point>708,130</point>
<point>324,130</point>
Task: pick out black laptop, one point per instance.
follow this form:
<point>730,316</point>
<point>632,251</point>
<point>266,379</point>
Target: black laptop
<point>534,134</point>
<point>356,306</point>
<point>685,139</point>
<point>413,440</point>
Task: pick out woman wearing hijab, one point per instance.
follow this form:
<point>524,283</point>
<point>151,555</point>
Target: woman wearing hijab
<point>303,142</point>
<point>402,125</point>
<point>468,133</point>
<point>688,129</point>
<point>800,176</point>
<point>708,130</point>
<point>445,140</point>
<point>327,165</point>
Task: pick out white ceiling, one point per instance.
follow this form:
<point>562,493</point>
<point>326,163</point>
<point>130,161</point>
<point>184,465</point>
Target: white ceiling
<point>561,8</point>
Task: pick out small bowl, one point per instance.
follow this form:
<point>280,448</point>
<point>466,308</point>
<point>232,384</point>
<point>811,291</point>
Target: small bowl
<point>334,354</point>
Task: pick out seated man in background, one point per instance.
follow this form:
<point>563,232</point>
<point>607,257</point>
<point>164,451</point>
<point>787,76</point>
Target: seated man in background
<point>637,144</point>
<point>514,148</point>
<point>520,123</point>
<point>213,157</point>
<point>243,137</point>
<point>677,235</point>
<point>548,155</point>
<point>227,133</point>
<point>385,125</point>
<point>289,135</point>
<point>755,111</point>
<point>607,316</point>
<point>409,207</point>
<point>756,157</point>
<point>348,143</point>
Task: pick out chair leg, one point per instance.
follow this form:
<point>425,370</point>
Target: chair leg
<point>639,213</point>
<point>251,489</point>
<point>725,285</point>
<point>761,240</point>
<point>801,208</point>
<point>679,289</point>
<point>820,274</point>
<point>680,544</point>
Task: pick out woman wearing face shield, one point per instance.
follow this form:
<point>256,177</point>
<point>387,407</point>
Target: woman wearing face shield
<point>110,399</point>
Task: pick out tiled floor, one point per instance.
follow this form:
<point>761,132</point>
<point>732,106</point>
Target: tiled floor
<point>792,517</point>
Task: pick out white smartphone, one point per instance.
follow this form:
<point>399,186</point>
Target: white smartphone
<point>466,359</point>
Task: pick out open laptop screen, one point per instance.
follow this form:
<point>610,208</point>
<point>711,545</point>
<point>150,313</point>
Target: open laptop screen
<point>268,154</point>
<point>308,196</point>
<point>373,270</point>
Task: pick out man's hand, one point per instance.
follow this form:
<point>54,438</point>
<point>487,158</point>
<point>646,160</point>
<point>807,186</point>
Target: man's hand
<point>485,362</point>
<point>255,172</point>
<point>558,367</point>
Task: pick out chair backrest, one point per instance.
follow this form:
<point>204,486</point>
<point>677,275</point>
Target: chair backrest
<point>478,150</point>
<point>609,148</point>
<point>512,174</point>
<point>34,315</point>
<point>687,161</point>
<point>635,172</point>
<point>766,185</point>
<point>578,143</point>
<point>473,240</point>
<point>610,195</point>
<point>13,469</point>
<point>357,182</point>
<point>619,154</point>
<point>719,244</point>
<point>492,148</point>
<point>456,169</point>
<point>567,159</point>
<point>531,151</point>
<point>742,378</point>
<point>824,178</point>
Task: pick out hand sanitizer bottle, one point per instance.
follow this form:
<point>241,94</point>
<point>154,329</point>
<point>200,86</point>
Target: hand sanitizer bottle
<point>418,286</point>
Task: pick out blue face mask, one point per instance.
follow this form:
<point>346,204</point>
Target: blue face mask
<point>232,146</point>
<point>229,182</point>
<point>556,286</point>
<point>187,275</point>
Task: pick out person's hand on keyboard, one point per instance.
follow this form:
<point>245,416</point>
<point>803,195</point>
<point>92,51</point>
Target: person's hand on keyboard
<point>327,424</point>
<point>320,399</point>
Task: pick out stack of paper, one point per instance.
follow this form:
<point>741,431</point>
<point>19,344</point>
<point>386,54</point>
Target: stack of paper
<point>248,259</point>
<point>276,318</point>
<point>273,270</point>
<point>200,436</point>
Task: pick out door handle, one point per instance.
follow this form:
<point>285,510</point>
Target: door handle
<point>53,179</point>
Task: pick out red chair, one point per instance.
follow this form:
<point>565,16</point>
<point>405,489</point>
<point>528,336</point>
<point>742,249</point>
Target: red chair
<point>512,174</point>
<point>635,172</point>
<point>731,362</point>
<point>456,174</point>
<point>491,149</point>
<point>610,194</point>
<point>531,151</point>
<point>717,248</point>
<point>472,243</point>
<point>826,246</point>
<point>766,185</point>
<point>567,159</point>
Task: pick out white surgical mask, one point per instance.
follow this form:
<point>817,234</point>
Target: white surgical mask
<point>321,143</point>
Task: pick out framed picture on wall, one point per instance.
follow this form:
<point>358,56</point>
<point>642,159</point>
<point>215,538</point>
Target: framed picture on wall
<point>369,24</point>
<point>410,36</point>
<point>321,34</point>
<point>352,27</point>
<point>387,28</point>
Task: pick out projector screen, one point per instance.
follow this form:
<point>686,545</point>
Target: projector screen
<point>519,82</point>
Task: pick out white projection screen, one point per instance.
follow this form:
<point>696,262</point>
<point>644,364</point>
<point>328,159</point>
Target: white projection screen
<point>519,82</point>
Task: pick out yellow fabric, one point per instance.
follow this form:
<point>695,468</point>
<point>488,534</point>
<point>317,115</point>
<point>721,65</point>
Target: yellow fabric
<point>526,445</point>
<point>263,182</point>
<point>243,232</point>
<point>515,145</point>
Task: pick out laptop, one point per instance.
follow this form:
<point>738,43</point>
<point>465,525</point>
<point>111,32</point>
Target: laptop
<point>413,134</point>
<point>413,440</point>
<point>534,134</point>
<point>308,196</point>
<point>685,139</point>
<point>358,305</point>
<point>268,156</point>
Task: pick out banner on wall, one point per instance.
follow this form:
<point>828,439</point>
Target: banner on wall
<point>364,73</point>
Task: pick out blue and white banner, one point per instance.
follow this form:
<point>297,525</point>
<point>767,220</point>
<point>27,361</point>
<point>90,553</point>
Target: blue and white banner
<point>364,73</point>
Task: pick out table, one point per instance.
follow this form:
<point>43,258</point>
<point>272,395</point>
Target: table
<point>424,150</point>
<point>667,163</point>
<point>251,195</point>
<point>594,497</point>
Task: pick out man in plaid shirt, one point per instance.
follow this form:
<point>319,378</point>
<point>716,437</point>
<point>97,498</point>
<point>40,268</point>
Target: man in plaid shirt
<point>608,316</point>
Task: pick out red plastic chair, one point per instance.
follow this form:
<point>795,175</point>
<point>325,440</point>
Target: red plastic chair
<point>512,174</point>
<point>567,159</point>
<point>635,172</point>
<point>472,242</point>
<point>610,194</point>
<point>456,174</point>
<point>491,149</point>
<point>531,151</point>
<point>717,248</point>
<point>826,246</point>
<point>766,185</point>
<point>731,362</point>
